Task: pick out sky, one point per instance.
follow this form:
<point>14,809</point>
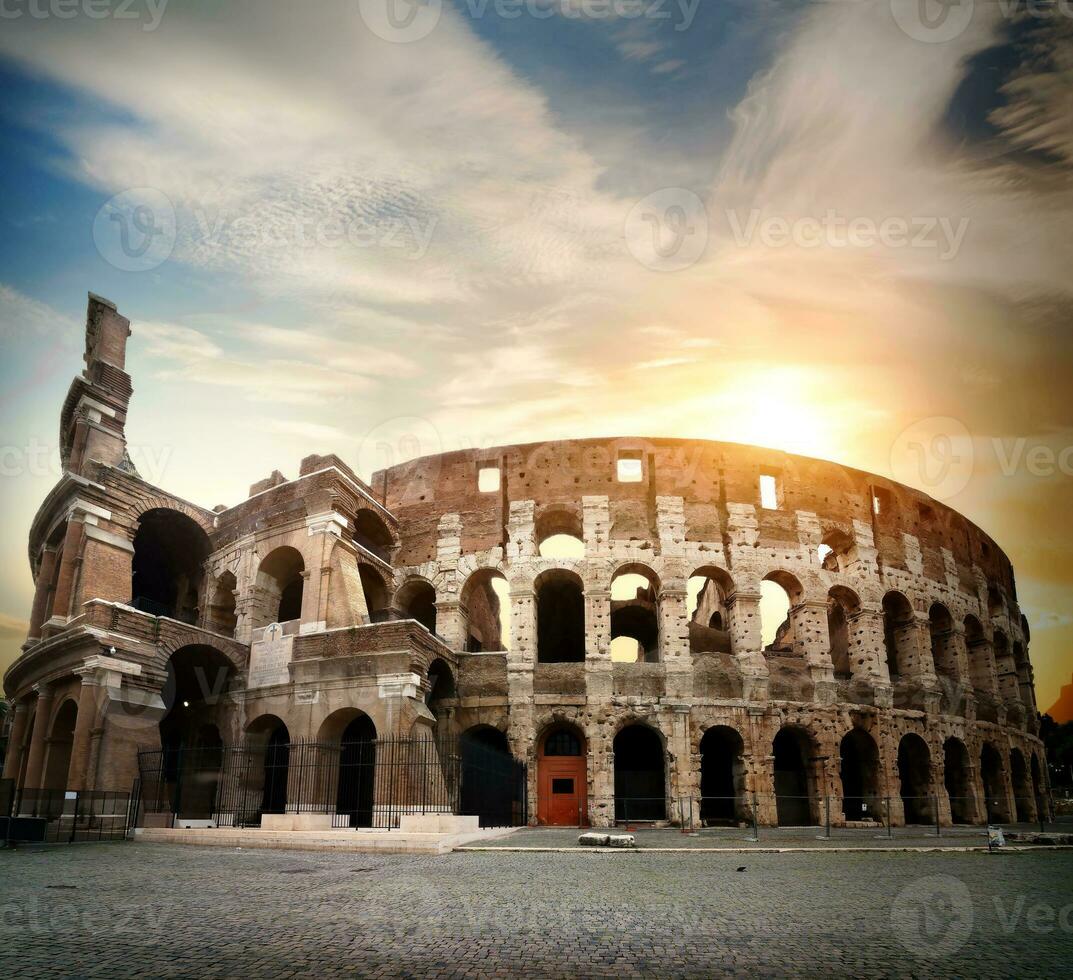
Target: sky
<point>383,228</point>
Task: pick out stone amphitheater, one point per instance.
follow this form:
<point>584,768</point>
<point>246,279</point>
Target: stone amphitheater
<point>594,608</point>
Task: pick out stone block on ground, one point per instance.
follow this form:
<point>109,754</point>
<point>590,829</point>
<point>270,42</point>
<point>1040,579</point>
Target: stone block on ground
<point>592,839</point>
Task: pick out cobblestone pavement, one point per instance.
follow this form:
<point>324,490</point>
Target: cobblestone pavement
<point>150,910</point>
<point>742,837</point>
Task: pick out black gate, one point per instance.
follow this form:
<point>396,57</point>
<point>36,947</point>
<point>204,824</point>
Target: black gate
<point>494,785</point>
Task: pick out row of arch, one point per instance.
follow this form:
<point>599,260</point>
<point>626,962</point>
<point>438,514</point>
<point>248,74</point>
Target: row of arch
<point>169,549</point>
<point>167,571</point>
<point>641,779</point>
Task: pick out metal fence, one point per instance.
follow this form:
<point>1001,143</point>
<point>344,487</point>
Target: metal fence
<point>780,816</point>
<point>69,816</point>
<point>366,783</point>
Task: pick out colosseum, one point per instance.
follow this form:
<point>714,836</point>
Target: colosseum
<point>590,609</point>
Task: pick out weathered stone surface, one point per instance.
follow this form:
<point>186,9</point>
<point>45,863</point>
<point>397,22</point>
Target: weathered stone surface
<point>425,604</point>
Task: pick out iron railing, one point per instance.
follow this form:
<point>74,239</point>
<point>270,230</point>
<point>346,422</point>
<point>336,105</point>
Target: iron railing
<point>369,783</point>
<point>782,814</point>
<point>70,816</point>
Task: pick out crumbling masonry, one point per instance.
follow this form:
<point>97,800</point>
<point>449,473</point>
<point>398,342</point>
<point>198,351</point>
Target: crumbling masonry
<point>426,602</point>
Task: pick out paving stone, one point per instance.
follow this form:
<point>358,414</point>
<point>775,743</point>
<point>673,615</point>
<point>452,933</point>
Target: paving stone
<point>162,911</point>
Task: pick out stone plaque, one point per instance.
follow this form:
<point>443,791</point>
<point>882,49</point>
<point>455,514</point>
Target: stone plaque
<point>270,657</point>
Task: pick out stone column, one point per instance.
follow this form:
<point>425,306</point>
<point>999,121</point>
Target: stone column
<point>451,616</point>
<point>673,605</point>
<point>743,613</point>
<point>46,573</point>
<point>867,658</point>
<point>684,782</point>
<point>809,619</point>
<point>599,682</point>
<point>36,757</point>
<point>70,559</point>
<point>78,775</point>
<point>14,745</point>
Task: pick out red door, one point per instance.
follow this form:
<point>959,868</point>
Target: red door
<point>561,791</point>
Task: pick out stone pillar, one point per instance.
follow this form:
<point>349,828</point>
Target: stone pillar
<point>599,683</point>
<point>866,654</point>
<point>942,796</point>
<point>36,757</point>
<point>810,631</point>
<point>46,574</point>
<point>673,605</point>
<point>684,781</point>
<point>78,774</point>
<point>451,617</point>
<point>70,561</point>
<point>743,614</point>
<point>14,745</point>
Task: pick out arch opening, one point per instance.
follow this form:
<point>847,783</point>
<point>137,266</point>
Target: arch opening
<point>270,742</point>
<point>943,649</point>
<point>486,608</point>
<point>843,606</point>
<point>1023,801</point>
<point>993,776</point>
<point>377,601</point>
<point>61,740</point>
<point>634,615</point>
<point>640,775</point>
<point>722,777</point>
<point>779,593</point>
<point>707,592</point>
<point>559,534</point>
<point>372,534</point>
<point>223,618</point>
<point>898,638</point>
<point>914,775</point>
<point>195,692</point>
<point>491,778</point>
<point>166,568</point>
<point>796,802</point>
<point>417,600</point>
<point>560,602</point>
<point>861,796</point>
<point>356,789</point>
<point>278,588</point>
<point>957,778</point>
